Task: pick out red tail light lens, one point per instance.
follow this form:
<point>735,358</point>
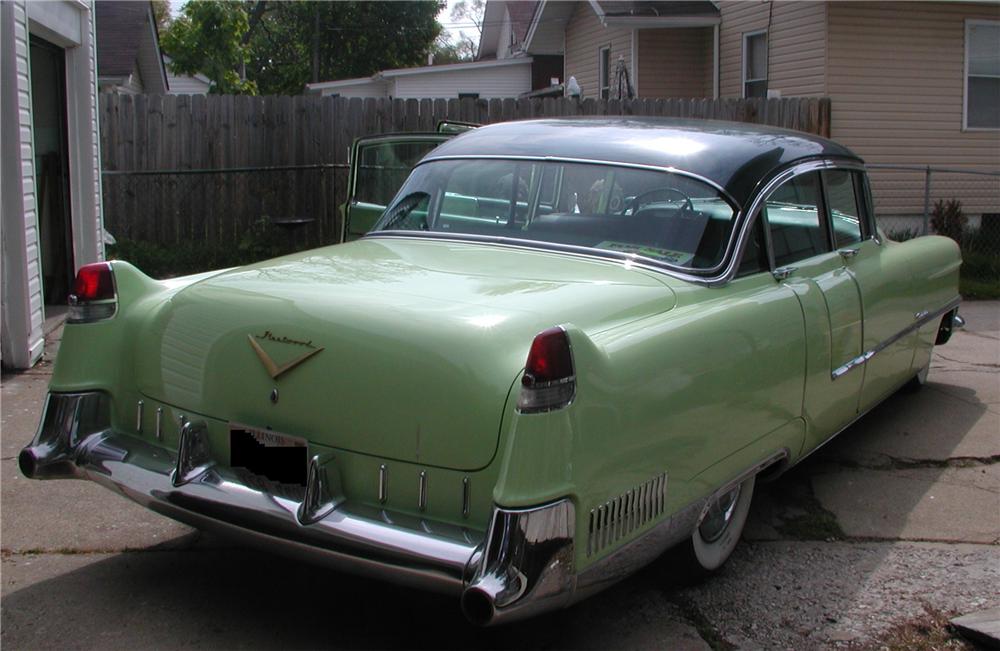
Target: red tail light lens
<point>94,297</point>
<point>94,282</point>
<point>549,380</point>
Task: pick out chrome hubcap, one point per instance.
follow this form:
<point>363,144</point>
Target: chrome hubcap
<point>720,513</point>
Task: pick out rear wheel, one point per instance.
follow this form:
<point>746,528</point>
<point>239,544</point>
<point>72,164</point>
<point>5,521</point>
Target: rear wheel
<point>716,536</point>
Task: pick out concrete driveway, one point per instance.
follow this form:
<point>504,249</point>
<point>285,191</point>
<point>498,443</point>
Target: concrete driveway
<point>900,512</point>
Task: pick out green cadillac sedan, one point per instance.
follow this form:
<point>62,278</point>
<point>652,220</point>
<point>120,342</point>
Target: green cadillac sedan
<point>552,350</point>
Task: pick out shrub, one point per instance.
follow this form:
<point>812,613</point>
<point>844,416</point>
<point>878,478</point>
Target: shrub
<point>948,219</point>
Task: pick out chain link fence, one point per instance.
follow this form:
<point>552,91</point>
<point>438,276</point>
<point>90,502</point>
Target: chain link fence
<point>912,200</point>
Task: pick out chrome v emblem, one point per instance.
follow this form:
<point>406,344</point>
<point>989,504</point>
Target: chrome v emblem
<point>273,369</point>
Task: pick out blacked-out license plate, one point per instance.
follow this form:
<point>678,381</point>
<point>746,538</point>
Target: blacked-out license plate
<point>279,457</point>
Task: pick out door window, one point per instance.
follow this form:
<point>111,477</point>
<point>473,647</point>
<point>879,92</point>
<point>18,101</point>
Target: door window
<point>845,214</point>
<point>793,216</point>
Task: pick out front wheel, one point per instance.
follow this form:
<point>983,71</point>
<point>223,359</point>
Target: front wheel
<point>716,536</point>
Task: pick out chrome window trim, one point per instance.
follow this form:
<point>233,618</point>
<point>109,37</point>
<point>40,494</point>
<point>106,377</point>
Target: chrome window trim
<point>922,318</point>
<point>735,247</point>
<point>630,260</point>
<point>587,161</point>
<point>779,179</point>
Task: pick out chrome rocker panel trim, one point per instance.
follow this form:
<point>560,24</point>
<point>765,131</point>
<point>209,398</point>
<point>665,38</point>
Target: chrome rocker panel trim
<point>524,565</point>
<point>922,318</point>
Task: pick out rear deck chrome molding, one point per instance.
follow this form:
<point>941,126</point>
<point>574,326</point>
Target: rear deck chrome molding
<point>922,318</point>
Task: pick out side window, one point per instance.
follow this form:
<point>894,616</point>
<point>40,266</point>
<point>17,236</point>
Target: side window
<point>842,194</point>
<point>793,216</point>
<point>382,168</point>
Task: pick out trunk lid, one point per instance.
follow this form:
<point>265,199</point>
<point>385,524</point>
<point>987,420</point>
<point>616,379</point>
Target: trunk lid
<point>405,349</point>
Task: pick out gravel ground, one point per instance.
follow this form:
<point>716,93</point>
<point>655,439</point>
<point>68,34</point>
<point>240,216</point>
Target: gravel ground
<point>799,594</point>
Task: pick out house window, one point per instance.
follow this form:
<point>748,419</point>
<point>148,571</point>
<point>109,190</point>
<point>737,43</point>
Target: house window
<point>755,64</point>
<point>604,71</point>
<point>982,74</point>
<point>468,96</point>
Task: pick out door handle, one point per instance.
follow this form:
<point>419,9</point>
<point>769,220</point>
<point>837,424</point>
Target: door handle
<point>847,253</point>
<point>784,272</point>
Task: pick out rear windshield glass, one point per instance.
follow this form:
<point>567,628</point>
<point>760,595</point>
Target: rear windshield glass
<point>668,217</point>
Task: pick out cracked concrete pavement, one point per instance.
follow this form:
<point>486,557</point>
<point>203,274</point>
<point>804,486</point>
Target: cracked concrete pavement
<point>901,510</point>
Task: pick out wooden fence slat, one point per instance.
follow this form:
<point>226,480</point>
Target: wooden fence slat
<point>177,133</point>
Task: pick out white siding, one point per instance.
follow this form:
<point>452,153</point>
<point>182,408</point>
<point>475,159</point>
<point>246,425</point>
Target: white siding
<point>21,338</point>
<point>489,82</point>
<point>360,89</point>
<point>896,82</point>
<point>675,62</point>
<point>22,290</point>
<point>185,85</point>
<point>585,36</point>
<point>797,44</point>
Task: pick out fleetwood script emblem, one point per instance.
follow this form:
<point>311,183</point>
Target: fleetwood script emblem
<point>273,369</point>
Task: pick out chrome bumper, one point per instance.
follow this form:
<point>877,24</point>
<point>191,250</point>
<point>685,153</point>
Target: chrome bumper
<point>525,564</point>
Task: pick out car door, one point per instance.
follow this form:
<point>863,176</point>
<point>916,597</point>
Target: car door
<point>884,280</point>
<point>804,260</point>
<point>379,166</point>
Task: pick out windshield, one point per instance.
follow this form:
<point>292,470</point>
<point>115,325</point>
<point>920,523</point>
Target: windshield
<point>668,217</point>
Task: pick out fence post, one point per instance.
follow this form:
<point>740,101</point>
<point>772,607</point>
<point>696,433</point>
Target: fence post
<point>927,200</point>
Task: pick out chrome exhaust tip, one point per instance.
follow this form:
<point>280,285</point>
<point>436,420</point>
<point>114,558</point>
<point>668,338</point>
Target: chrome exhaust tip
<point>27,462</point>
<point>478,606</point>
<point>525,567</point>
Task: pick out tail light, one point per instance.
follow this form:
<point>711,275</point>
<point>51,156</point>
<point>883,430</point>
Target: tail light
<point>549,380</point>
<point>94,297</point>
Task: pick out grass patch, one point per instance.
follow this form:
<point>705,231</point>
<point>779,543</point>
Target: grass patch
<point>976,289</point>
<point>929,631</point>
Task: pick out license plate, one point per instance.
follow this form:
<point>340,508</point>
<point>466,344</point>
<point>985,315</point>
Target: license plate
<point>278,457</point>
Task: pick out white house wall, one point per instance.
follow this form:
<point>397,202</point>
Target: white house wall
<point>22,286</point>
<point>185,85</point>
<point>360,89</point>
<point>21,339</point>
<point>489,83</point>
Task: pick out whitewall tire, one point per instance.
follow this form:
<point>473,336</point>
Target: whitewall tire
<point>715,538</point>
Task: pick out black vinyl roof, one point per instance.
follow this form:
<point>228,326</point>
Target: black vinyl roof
<point>734,155</point>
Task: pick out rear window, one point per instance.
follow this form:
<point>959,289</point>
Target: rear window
<point>665,216</point>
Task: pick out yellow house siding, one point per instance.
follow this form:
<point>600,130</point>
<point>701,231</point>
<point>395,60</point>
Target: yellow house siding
<point>675,62</point>
<point>585,35</point>
<point>896,80</point>
<point>797,45</point>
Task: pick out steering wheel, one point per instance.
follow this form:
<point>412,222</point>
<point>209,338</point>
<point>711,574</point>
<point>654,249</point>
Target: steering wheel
<point>635,201</point>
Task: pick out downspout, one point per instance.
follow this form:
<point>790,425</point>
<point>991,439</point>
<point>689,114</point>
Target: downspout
<point>635,63</point>
<point>715,61</point>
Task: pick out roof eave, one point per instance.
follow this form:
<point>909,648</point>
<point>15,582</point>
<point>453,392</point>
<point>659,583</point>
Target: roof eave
<point>640,22</point>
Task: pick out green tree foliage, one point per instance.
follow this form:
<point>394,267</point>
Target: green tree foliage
<point>208,37</point>
<point>300,42</point>
<point>275,48</point>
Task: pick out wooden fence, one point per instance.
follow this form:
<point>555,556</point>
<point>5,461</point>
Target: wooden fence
<point>181,169</point>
